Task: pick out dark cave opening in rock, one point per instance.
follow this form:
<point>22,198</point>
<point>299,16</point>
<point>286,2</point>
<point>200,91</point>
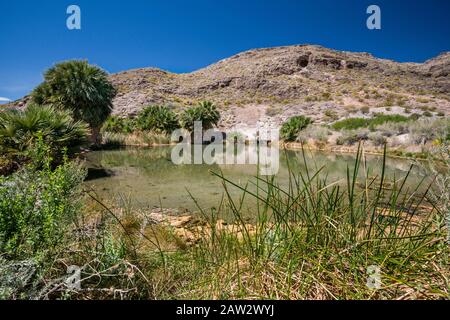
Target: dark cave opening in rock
<point>303,61</point>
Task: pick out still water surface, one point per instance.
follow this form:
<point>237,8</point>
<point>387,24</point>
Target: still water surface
<point>148,177</point>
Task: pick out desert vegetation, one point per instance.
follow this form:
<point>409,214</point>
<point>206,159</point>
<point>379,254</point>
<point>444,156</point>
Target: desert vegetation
<point>20,131</point>
<point>356,123</point>
<point>291,128</point>
<point>406,136</point>
<point>315,238</point>
<point>154,124</point>
<point>80,88</point>
<point>312,240</point>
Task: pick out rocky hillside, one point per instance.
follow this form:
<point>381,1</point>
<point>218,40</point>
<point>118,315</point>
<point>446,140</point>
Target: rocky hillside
<point>269,85</point>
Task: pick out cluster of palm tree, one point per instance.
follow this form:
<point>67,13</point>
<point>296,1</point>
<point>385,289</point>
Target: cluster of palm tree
<point>66,112</point>
<point>70,107</point>
<point>116,124</point>
<point>162,119</point>
<point>205,111</point>
<point>19,130</point>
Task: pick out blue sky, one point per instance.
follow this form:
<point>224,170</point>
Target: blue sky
<point>184,35</point>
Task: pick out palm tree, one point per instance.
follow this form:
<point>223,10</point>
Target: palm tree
<point>19,130</point>
<point>81,88</point>
<point>205,111</point>
<point>157,118</point>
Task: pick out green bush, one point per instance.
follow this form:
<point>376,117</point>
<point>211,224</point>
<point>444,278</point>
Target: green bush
<point>206,112</point>
<point>35,206</point>
<point>115,124</point>
<point>291,128</point>
<point>19,131</point>
<point>351,124</point>
<point>385,118</point>
<point>159,119</point>
<point>356,123</point>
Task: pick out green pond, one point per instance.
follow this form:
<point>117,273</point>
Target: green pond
<point>148,178</point>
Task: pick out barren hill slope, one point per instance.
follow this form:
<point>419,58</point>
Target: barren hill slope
<point>269,85</point>
<point>272,84</point>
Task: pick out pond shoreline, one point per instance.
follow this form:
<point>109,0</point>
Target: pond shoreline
<point>149,172</point>
<point>369,150</point>
<point>296,146</point>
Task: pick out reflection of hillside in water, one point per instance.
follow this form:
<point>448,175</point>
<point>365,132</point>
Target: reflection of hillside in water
<point>149,176</point>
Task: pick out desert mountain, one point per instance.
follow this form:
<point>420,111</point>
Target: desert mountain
<point>269,85</point>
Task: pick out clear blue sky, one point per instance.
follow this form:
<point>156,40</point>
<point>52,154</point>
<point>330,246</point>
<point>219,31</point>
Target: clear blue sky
<point>184,35</point>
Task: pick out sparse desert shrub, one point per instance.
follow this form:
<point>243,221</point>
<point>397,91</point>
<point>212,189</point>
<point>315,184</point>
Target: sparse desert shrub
<point>351,109</point>
<point>365,110</point>
<point>291,128</point>
<point>158,119</point>
<point>311,99</point>
<point>389,102</point>
<point>317,133</point>
<point>390,129</point>
<point>352,137</point>
<point>424,108</point>
<point>427,130</point>
<point>272,111</point>
<point>326,96</point>
<point>427,114</point>
<point>331,114</point>
<point>423,100</point>
<point>377,138</point>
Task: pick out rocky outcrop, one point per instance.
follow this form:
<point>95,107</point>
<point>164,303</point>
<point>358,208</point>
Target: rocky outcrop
<point>190,230</point>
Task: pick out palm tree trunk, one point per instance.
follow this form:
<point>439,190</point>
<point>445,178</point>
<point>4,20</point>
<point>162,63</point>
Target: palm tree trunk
<point>96,137</point>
